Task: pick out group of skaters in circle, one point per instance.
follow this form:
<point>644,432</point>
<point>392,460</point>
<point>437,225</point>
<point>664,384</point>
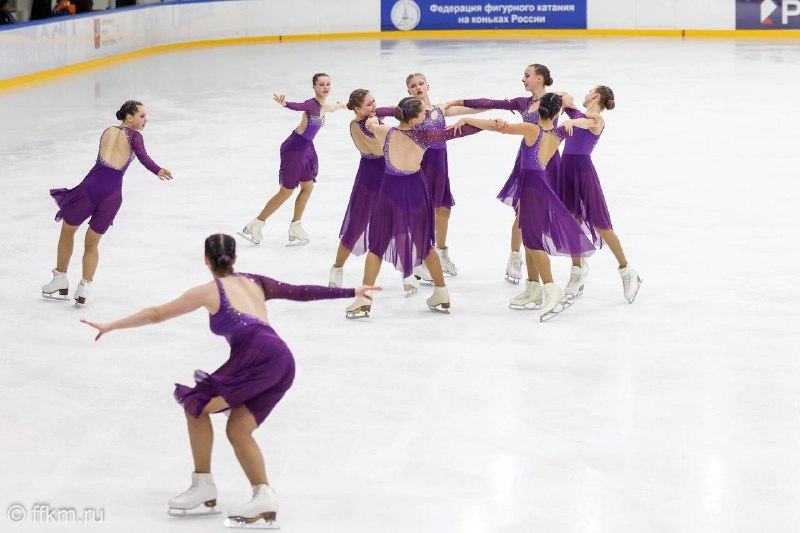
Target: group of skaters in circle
<point>398,211</point>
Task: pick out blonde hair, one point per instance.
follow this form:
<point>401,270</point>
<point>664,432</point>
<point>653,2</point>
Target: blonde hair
<point>415,75</point>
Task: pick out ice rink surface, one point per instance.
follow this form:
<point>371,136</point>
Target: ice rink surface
<point>677,414</point>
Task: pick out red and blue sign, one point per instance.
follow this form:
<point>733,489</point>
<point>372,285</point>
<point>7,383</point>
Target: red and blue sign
<point>409,15</point>
<point>767,14</point>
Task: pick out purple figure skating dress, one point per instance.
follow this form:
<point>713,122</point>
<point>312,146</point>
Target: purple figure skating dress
<point>260,368</point>
<point>99,195</point>
<point>364,194</point>
<point>298,157</point>
<point>401,229</point>
<point>545,222</point>
<point>509,194</point>
<point>578,184</point>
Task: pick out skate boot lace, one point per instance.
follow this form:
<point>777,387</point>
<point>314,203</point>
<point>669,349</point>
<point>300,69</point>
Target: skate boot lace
<point>516,262</point>
<point>188,492</point>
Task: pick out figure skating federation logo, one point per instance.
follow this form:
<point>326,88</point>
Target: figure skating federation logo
<point>405,15</point>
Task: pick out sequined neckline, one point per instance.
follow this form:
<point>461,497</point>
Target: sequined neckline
<point>223,301</point>
<point>389,164</point>
<point>130,156</point>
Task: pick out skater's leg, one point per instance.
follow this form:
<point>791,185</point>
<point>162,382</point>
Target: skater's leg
<point>372,267</point>
<point>442,224</point>
<point>530,264</point>
<point>516,235</point>
<point>542,262</point>
<point>434,266</point>
<point>91,253</point>
<point>611,238</point>
<point>306,188</point>
<point>201,434</point>
<point>275,202</point>
<point>241,425</point>
<point>66,241</point>
<point>341,256</point>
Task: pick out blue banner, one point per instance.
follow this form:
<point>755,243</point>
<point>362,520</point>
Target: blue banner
<point>407,15</point>
<point>767,14</point>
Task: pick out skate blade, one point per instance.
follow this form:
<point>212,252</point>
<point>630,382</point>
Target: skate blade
<point>635,293</point>
<point>525,307</point>
<point>294,242</point>
<point>557,310</point>
<point>574,296</point>
<point>247,237</point>
<point>361,312</point>
<point>512,280</point>
<point>259,522</point>
<point>57,298</point>
<point>197,512</point>
<point>426,282</point>
<point>443,310</point>
<point>410,291</point>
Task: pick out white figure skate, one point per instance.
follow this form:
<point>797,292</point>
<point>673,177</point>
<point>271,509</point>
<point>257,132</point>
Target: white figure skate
<point>630,283</point>
<point>439,300</point>
<point>82,292</point>
<point>411,285</point>
<point>58,288</point>
<point>577,280</point>
<point>447,265</point>
<point>252,231</point>
<point>422,274</point>
<point>554,302</point>
<point>198,500</point>
<point>336,277</point>
<point>514,268</point>
<point>297,235</point>
<point>360,308</point>
<point>261,512</point>
<point>529,299</point>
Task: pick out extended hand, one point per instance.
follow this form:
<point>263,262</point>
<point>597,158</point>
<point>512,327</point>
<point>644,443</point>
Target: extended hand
<point>280,98</point>
<point>101,328</point>
<point>164,174</point>
<point>500,123</point>
<point>366,291</point>
<point>567,124</point>
<point>457,126</point>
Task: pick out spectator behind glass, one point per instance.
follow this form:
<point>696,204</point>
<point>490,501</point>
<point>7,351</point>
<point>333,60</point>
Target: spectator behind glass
<point>6,17</point>
<point>63,7</point>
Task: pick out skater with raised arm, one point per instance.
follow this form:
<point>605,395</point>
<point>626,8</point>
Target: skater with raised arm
<point>98,197</point>
<point>259,371</point>
<point>579,189</point>
<point>299,163</point>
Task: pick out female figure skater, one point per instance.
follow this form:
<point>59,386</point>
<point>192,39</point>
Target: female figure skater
<point>299,164</point>
<point>98,197</point>
<point>579,189</point>
<point>365,190</point>
<point>546,225</point>
<point>401,226</point>
<point>535,79</point>
<point>435,169</point>
<point>256,376</point>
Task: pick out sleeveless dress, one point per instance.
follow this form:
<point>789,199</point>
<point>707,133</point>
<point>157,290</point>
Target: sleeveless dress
<point>401,229</point>
<point>545,222</point>
<point>362,199</point>
<point>260,368</point>
<point>578,184</point>
<point>99,195</point>
<point>298,156</point>
<point>510,192</point>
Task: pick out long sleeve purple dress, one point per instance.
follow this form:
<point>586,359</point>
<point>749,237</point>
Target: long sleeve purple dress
<point>99,195</point>
<point>260,368</point>
<point>298,156</point>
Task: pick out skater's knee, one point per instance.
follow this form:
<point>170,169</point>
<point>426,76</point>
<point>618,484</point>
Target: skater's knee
<point>284,193</point>
<point>306,186</point>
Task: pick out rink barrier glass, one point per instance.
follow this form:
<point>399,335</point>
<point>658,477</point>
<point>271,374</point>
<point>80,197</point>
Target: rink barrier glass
<point>94,64</point>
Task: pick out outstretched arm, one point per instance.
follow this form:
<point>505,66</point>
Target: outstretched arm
<point>276,290</point>
<point>515,104</point>
<point>582,123</point>
<point>330,108</point>
<point>385,111</point>
<point>294,106</point>
<point>455,110</point>
<point>188,302</point>
<point>499,125</point>
<point>137,145</point>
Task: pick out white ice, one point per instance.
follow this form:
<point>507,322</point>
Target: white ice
<point>676,414</point>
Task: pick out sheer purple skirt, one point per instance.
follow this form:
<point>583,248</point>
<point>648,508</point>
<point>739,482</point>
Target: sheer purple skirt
<point>98,196</point>
<point>401,229</point>
<point>258,373</point>
<point>434,166</point>
<point>545,222</point>
<point>298,161</point>
<point>366,188</point>
<point>580,191</point>
<point>512,188</point>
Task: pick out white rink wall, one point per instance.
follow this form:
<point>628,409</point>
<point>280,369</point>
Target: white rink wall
<point>58,43</point>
